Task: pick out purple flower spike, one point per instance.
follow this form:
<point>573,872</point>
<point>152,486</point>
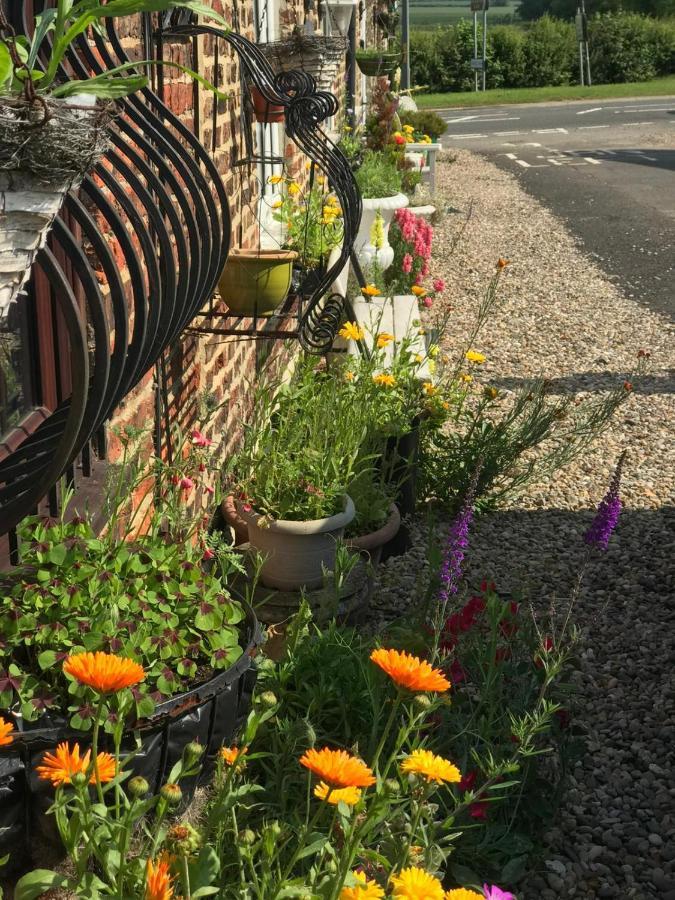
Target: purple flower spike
<point>496,893</point>
<point>608,512</point>
<point>458,541</point>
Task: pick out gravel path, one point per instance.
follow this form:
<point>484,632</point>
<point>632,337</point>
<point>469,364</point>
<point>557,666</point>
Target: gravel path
<point>563,319</point>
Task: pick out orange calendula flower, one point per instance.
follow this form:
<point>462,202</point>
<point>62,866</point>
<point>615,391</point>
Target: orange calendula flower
<point>338,768</point>
<point>384,380</point>
<point>384,338</point>
<point>463,894</point>
<point>6,729</point>
<point>409,671</point>
<point>348,795</point>
<point>60,767</point>
<point>351,331</point>
<point>158,879</point>
<point>416,884</point>
<point>364,890</point>
<point>418,290</point>
<point>502,263</point>
<point>232,755</point>
<point>104,672</point>
<point>370,290</point>
<point>432,767</point>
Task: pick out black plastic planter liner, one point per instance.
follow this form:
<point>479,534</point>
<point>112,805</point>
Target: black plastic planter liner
<point>211,713</point>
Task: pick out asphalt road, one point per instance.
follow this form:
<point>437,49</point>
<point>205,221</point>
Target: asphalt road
<point>606,168</point>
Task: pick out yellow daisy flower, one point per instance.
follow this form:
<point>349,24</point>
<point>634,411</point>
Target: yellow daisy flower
<point>466,378</point>
<point>293,189</point>
<point>384,380</point>
<point>463,894</point>
<point>348,795</point>
<point>349,376</point>
<point>429,389</point>
<point>383,339</point>
<point>364,890</point>
<point>475,357</point>
<point>416,884</point>
<point>351,331</point>
<point>432,767</point>
<point>370,290</point>
<point>275,179</point>
<point>418,290</point>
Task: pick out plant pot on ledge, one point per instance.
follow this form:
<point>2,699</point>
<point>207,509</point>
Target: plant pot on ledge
<point>296,553</point>
<point>264,110</point>
<point>256,282</point>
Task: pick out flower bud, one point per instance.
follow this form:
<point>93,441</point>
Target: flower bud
<point>171,793</point>
<point>138,787</point>
<point>392,786</point>
<point>268,699</point>
<point>247,837</point>
<point>79,780</point>
<point>193,751</point>
<point>421,701</point>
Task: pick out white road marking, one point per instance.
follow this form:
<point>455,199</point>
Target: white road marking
<point>504,133</point>
<point>464,137</point>
<point>509,155</point>
<point>549,131</point>
<point>461,119</point>
<point>596,162</point>
<point>527,165</point>
<point>531,144</point>
<point>587,127</point>
<point>585,112</point>
<point>645,109</point>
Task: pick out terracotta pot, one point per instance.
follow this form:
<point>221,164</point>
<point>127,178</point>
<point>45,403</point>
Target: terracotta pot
<point>265,111</point>
<point>296,553</point>
<point>234,520</point>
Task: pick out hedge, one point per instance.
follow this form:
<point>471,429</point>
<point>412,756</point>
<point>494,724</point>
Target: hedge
<point>623,47</point>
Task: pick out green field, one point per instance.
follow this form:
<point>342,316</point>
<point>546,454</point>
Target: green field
<point>658,87</point>
<point>429,15</point>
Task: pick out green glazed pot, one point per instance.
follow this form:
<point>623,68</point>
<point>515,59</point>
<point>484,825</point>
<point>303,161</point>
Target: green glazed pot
<point>256,282</point>
<point>374,66</point>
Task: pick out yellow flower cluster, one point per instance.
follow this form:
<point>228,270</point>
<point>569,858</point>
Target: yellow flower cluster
<point>351,331</point>
<point>331,210</point>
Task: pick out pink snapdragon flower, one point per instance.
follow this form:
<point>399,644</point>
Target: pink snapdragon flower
<point>439,285</point>
<point>186,483</point>
<point>407,264</point>
<point>428,302</point>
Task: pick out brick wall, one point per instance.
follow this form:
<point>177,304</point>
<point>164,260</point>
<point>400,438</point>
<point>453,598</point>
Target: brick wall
<point>223,366</point>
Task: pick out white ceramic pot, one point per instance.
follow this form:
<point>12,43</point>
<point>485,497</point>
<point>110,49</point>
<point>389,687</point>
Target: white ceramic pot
<point>365,251</point>
<point>296,553</point>
<point>339,14</point>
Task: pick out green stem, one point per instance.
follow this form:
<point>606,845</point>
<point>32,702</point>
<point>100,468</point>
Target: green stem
<point>385,733</point>
<point>94,749</point>
<point>186,877</point>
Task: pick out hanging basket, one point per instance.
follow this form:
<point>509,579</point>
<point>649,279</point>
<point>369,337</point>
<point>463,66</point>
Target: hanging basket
<point>45,150</point>
<point>317,55</point>
<point>383,62</point>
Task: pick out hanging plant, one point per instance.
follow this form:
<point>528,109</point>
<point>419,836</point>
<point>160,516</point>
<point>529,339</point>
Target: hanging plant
<point>378,62</point>
<point>52,133</point>
<point>316,54</point>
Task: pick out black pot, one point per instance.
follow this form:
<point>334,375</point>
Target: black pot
<point>383,64</point>
<point>211,713</point>
<point>402,453</point>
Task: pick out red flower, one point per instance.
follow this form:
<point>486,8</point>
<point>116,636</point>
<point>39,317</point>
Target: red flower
<point>399,139</point>
<point>208,553</point>
<point>486,586</point>
<point>479,810</point>
<point>457,673</point>
<point>186,483</point>
<point>200,440</point>
<point>468,780</point>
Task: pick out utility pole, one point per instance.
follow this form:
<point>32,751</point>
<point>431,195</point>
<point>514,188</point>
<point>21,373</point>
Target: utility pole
<point>479,63</point>
<point>405,44</point>
<point>581,23</point>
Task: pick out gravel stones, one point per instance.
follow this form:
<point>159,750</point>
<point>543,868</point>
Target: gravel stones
<point>562,318</point>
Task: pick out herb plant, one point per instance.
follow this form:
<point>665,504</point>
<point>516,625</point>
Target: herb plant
<point>312,221</point>
<point>378,176</point>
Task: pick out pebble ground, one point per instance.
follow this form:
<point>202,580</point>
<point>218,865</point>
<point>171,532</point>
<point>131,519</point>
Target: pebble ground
<point>562,318</point>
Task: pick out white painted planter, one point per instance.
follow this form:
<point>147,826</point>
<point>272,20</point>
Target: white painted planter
<point>297,552</point>
<point>28,206</point>
<point>395,315</point>
<point>365,251</point>
<point>339,14</point>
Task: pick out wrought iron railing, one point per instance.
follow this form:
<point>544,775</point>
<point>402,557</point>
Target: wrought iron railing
<point>137,254</point>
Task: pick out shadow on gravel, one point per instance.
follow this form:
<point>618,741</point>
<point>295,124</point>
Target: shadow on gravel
<point>595,381</point>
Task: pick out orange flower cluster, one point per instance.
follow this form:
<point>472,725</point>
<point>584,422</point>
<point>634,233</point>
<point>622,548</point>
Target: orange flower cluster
<point>6,729</point>
<point>232,755</point>
<point>61,767</point>
<point>409,672</point>
<point>158,879</point>
<point>337,768</point>
<point>104,672</point>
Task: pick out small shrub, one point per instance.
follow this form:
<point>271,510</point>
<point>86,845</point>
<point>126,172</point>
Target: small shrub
<point>622,48</point>
<point>425,121</point>
<point>507,65</point>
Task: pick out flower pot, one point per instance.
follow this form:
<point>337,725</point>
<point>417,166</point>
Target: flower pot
<point>296,553</point>
<point>256,282</point>
<point>234,520</point>
<point>365,251</point>
<point>265,111</point>
<point>316,54</point>
<point>373,66</point>
<point>211,713</point>
<point>39,164</point>
<point>339,14</point>
<point>401,457</point>
<point>370,545</point>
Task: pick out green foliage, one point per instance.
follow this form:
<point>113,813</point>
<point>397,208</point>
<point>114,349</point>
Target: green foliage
<point>424,122</point>
<point>149,600</point>
<point>63,25</point>
<point>624,47</point>
<point>378,175</point>
<point>312,220</point>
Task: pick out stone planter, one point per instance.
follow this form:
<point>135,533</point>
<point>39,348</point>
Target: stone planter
<point>296,553</point>
<point>370,545</point>
<point>39,164</point>
<point>386,206</point>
